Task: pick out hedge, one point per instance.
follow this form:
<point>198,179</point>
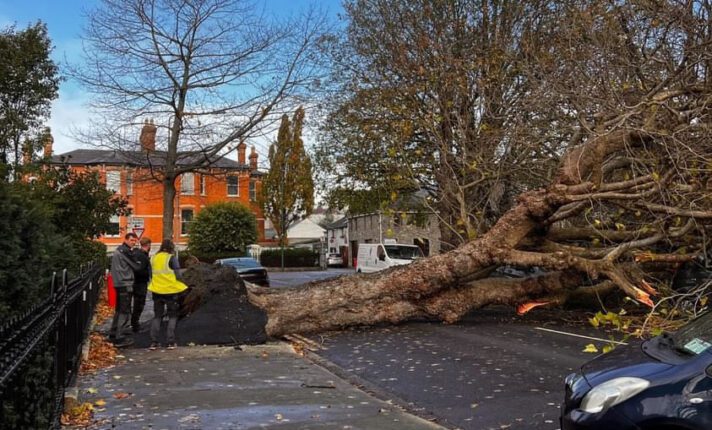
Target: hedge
<point>293,257</point>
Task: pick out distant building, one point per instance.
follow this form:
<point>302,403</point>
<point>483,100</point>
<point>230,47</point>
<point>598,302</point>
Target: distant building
<point>337,238</point>
<point>406,227</point>
<point>305,231</point>
<point>127,173</point>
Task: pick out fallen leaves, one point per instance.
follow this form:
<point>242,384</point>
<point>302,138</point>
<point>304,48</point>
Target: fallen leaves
<point>80,415</point>
<point>102,354</point>
<point>121,395</point>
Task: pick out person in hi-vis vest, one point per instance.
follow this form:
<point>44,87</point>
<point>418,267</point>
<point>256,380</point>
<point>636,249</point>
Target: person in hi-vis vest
<point>166,291</point>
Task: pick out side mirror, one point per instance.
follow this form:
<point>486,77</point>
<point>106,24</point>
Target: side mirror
<point>382,257</point>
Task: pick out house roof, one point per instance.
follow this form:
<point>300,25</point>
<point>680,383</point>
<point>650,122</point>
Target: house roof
<point>340,223</point>
<point>139,158</point>
<point>305,229</point>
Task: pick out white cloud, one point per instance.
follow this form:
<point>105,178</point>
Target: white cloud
<point>68,113</point>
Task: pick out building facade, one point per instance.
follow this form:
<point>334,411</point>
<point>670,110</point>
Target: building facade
<point>131,174</point>
<point>337,238</point>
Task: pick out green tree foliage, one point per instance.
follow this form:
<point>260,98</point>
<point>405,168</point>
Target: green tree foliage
<point>222,227</point>
<point>30,244</point>
<point>29,82</point>
<point>82,206</point>
<point>288,188</point>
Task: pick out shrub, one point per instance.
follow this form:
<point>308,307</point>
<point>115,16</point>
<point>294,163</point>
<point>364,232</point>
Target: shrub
<point>293,257</point>
<point>222,227</point>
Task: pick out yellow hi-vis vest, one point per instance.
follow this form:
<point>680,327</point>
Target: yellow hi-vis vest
<point>163,279</point>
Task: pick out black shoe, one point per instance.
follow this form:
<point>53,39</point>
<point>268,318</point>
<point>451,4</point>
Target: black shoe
<point>123,342</point>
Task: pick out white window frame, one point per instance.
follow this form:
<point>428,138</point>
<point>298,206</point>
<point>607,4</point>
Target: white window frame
<point>203,187</point>
<point>129,183</point>
<point>192,211</point>
<point>115,219</point>
<point>113,179</point>
<point>237,185</point>
<point>253,190</point>
<point>187,184</point>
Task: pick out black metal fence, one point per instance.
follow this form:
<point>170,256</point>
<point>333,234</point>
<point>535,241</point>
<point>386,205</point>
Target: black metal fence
<point>40,351</point>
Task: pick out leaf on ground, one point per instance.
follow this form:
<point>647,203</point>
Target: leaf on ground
<point>121,395</point>
<point>100,402</point>
<point>590,348</point>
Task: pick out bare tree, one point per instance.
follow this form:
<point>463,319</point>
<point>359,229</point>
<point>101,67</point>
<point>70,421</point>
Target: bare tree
<point>211,72</point>
<point>434,96</point>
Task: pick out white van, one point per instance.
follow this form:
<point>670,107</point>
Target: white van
<point>373,257</point>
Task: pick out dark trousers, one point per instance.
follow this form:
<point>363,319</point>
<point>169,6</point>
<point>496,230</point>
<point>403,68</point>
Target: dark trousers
<point>122,314</point>
<point>165,304</point>
<point>139,302</point>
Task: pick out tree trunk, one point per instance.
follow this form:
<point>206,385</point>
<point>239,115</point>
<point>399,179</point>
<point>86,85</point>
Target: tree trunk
<point>169,196</point>
<point>428,287</point>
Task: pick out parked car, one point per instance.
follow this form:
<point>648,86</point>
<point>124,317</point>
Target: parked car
<point>662,383</point>
<point>334,260</point>
<point>248,268</point>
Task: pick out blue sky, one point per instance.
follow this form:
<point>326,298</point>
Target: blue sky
<point>64,19</point>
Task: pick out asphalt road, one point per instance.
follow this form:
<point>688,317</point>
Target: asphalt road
<point>492,370</point>
<point>287,279</point>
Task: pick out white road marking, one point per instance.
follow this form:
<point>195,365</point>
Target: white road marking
<point>580,335</point>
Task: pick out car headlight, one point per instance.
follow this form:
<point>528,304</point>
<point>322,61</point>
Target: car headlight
<point>611,393</point>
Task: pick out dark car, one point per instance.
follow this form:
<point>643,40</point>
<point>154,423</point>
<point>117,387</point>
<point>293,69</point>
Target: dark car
<point>248,268</point>
<point>662,383</point>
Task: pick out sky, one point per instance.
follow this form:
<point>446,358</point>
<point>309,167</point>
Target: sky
<point>65,22</point>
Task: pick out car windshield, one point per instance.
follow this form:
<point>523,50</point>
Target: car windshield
<point>403,252</point>
<point>695,336</point>
<point>243,263</point>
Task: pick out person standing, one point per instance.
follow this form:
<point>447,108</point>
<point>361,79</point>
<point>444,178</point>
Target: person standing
<point>141,278</point>
<point>166,291</point>
<point>123,265</point>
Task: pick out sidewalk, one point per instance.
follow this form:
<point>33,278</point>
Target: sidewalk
<point>209,387</point>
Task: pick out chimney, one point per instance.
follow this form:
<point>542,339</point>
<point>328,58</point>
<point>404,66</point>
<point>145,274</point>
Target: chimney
<point>241,152</point>
<point>47,144</point>
<point>253,159</point>
<point>148,136</point>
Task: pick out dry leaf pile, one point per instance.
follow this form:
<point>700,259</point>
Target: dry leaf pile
<point>80,415</point>
<point>102,354</point>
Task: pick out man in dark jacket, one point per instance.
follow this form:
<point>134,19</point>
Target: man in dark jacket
<point>123,265</point>
<point>141,278</point>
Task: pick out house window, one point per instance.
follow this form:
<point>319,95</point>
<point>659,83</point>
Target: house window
<point>187,184</point>
<point>129,183</point>
<point>186,216</point>
<point>202,185</point>
<point>253,191</point>
<point>113,229</point>
<point>113,181</point>
<point>232,186</point>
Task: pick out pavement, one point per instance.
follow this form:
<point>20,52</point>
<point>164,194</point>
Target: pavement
<point>226,387</point>
<point>211,387</point>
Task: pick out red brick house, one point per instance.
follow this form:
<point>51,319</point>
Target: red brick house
<point>126,173</point>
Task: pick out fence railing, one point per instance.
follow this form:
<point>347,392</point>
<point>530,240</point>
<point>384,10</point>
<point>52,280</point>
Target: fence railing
<point>56,327</point>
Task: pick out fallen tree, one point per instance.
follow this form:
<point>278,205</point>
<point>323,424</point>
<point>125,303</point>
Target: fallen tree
<point>629,202</point>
